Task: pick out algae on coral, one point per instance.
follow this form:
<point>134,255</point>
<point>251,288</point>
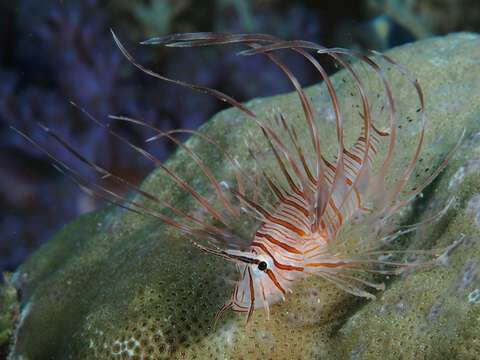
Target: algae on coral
<point>9,314</point>
<point>113,283</point>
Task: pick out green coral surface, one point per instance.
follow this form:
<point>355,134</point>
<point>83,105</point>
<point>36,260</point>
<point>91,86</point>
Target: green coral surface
<point>9,314</point>
<point>114,285</point>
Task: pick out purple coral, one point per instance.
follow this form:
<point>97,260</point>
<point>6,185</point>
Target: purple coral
<point>63,54</point>
<point>53,52</point>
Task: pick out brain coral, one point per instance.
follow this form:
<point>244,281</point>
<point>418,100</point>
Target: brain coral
<point>113,285</point>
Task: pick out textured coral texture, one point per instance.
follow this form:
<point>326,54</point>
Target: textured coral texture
<point>113,285</point>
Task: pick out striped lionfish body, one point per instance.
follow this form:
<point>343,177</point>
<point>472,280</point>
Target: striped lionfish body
<point>313,197</point>
<point>292,245</point>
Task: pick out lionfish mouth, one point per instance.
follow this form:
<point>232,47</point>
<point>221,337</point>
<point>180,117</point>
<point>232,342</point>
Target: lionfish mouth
<point>228,255</point>
<point>316,196</point>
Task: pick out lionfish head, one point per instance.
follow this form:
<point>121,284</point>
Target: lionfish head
<point>258,285</point>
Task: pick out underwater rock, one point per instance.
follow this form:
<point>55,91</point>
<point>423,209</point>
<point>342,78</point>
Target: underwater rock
<point>114,285</point>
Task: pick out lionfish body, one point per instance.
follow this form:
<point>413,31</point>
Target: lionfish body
<point>314,197</point>
<point>291,245</point>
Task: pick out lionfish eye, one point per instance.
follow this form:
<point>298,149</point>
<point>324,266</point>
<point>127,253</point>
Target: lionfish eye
<point>262,266</point>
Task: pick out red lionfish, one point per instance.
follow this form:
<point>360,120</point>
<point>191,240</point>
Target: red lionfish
<point>298,231</point>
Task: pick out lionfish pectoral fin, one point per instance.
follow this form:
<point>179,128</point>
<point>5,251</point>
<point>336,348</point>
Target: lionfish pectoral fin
<point>442,259</point>
<point>250,312</point>
<point>265,301</point>
<point>414,227</point>
<point>267,309</point>
<point>346,286</point>
<point>221,311</point>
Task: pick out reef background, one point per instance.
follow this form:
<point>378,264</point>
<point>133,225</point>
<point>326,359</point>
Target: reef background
<point>52,52</point>
<point>113,285</point>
